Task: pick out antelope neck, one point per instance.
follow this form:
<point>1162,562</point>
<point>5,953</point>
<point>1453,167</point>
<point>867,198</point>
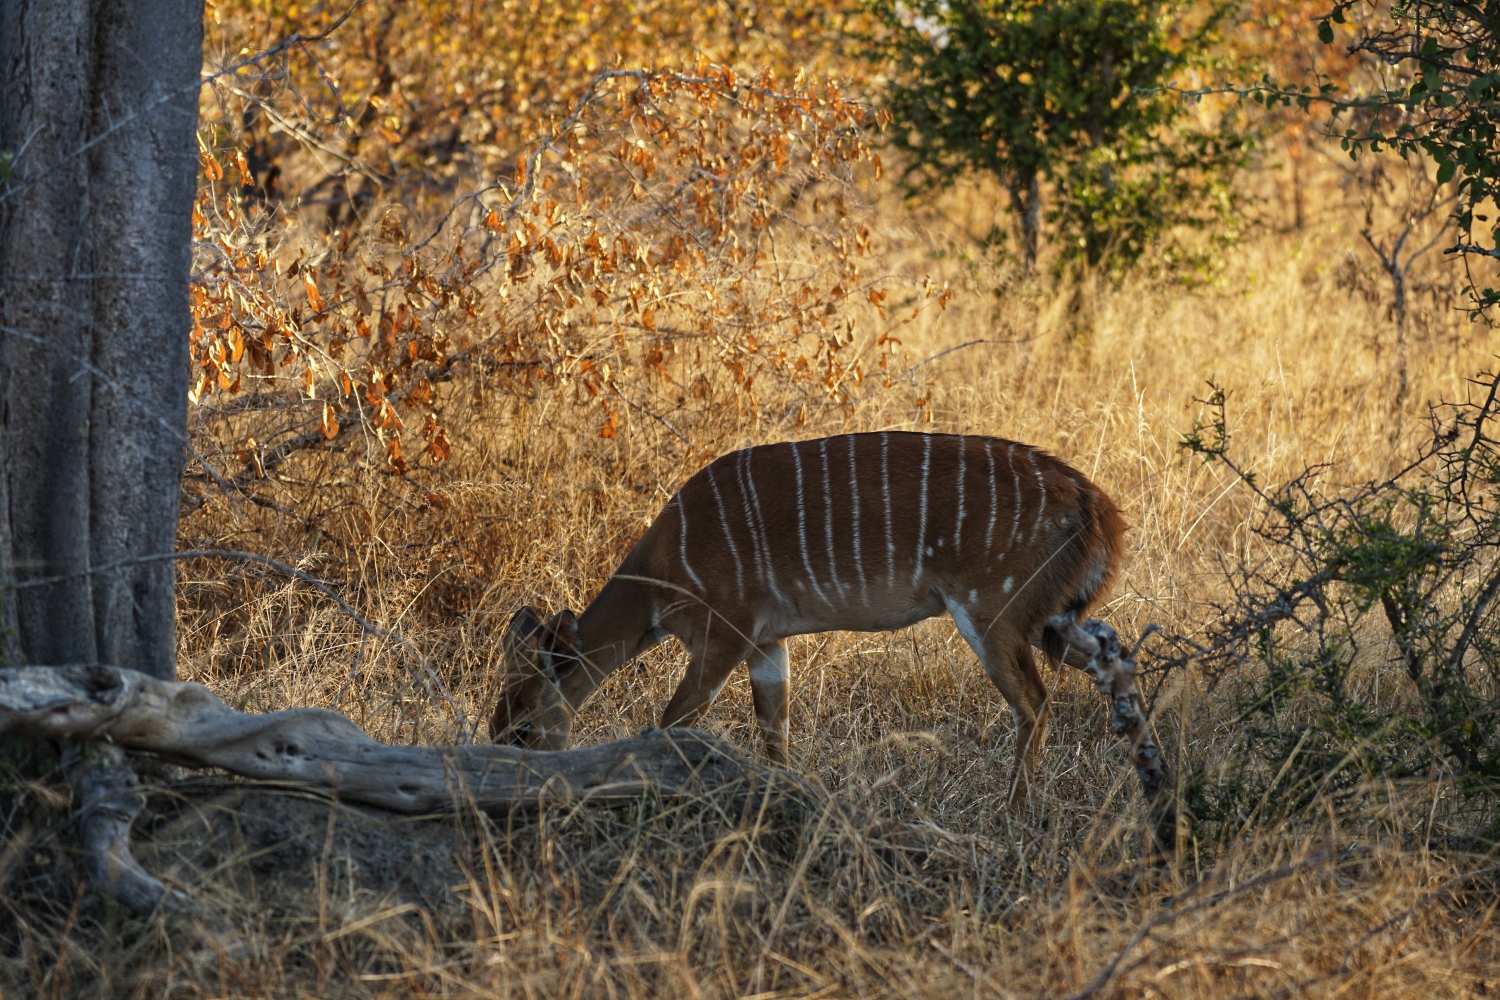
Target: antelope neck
<point>612,629</point>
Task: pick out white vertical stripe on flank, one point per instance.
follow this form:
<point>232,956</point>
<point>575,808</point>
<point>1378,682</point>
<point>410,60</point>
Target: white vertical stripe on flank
<point>740,475</point>
<point>958,527</point>
<point>833,566</point>
<point>1015,524</point>
<point>682,541</point>
<point>989,534</point>
<point>916,572</point>
<point>812,578</point>
<point>1041,504</point>
<point>885,491</point>
<point>760,519</point>
<point>739,567</point>
<point>859,561</point>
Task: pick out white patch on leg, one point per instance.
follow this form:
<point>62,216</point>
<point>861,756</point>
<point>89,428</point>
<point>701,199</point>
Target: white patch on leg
<point>1009,582</point>
<point>770,666</point>
<point>1094,578</point>
<point>965,626</point>
<point>1015,718</point>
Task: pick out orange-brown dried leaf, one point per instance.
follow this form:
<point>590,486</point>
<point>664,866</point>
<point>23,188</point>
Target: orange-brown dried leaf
<point>314,297</point>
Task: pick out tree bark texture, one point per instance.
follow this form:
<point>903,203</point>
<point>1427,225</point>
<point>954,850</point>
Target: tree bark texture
<point>98,111</point>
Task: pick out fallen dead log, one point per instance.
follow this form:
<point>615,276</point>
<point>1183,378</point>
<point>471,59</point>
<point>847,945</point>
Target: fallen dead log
<point>113,709</point>
<point>187,724</point>
<point>108,792</point>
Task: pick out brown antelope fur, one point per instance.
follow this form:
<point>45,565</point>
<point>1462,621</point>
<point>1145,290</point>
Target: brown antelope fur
<point>862,532</point>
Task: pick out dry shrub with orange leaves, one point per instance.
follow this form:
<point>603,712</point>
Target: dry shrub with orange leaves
<point>478,287</point>
<point>632,252</point>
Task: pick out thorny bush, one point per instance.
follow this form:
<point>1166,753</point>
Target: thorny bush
<point>1404,569</point>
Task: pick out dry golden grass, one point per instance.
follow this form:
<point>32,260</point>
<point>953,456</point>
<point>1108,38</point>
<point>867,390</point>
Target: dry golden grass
<point>1381,895</point>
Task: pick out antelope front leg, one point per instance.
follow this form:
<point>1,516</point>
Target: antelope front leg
<point>770,689</point>
<point>1095,648</point>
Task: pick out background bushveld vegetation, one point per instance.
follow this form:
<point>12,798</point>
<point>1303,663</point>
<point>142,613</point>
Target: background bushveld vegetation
<point>479,285</point>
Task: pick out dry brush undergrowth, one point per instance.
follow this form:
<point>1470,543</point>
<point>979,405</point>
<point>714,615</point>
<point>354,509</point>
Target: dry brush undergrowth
<point>696,263</point>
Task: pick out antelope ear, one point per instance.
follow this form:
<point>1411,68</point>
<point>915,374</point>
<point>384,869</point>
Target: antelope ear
<point>561,642</point>
<point>522,632</point>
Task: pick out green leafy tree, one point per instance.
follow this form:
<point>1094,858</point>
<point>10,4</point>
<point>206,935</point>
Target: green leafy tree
<point>1066,92</point>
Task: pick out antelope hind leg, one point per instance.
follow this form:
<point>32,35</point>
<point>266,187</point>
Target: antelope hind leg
<point>1013,671</point>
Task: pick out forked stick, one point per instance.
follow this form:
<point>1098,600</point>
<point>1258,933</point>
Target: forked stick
<point>109,799</point>
<point>1094,647</point>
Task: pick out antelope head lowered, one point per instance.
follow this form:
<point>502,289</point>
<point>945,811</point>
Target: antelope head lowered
<point>532,711</point>
<point>863,532</point>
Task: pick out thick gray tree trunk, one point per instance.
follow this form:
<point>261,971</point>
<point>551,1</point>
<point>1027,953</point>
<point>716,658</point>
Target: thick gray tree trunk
<point>98,162</point>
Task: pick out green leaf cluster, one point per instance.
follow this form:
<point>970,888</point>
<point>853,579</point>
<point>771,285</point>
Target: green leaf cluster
<point>1439,96</point>
<point>1068,94</point>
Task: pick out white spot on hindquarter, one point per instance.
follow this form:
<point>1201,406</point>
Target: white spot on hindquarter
<point>973,596</point>
<point>682,542</point>
<point>916,573</point>
<point>770,666</point>
<point>833,570</point>
<point>1093,579</point>
<point>929,550</point>
<point>739,567</point>
<point>1009,582</point>
<point>802,524</point>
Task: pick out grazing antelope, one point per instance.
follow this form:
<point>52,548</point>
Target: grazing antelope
<point>864,532</point>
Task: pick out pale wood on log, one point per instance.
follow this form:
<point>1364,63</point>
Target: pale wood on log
<point>1095,648</point>
<point>188,724</point>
